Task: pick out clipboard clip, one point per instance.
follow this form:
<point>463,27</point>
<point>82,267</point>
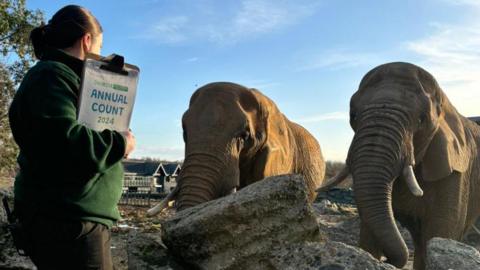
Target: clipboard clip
<point>114,63</point>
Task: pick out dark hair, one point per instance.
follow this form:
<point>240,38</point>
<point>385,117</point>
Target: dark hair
<point>67,26</point>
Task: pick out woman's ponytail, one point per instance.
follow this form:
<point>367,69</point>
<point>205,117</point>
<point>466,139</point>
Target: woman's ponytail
<point>68,25</point>
<point>38,39</point>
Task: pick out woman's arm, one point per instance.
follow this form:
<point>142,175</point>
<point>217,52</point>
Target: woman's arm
<point>60,137</point>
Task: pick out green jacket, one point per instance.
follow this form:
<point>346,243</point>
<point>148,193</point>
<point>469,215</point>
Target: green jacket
<point>66,169</point>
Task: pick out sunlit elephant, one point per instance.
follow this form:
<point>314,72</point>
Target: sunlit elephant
<point>235,136</point>
<point>413,158</point>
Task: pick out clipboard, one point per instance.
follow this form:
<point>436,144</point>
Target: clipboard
<point>107,93</point>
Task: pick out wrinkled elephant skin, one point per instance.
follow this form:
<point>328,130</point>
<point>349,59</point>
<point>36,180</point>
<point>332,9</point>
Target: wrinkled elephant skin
<point>414,158</point>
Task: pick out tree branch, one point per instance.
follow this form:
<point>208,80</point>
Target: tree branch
<point>8,37</point>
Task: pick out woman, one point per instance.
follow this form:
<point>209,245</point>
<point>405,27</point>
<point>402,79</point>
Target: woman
<point>70,177</point>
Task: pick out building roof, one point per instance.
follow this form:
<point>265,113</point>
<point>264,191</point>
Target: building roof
<point>475,119</point>
<point>171,168</point>
<point>150,168</point>
<point>141,167</point>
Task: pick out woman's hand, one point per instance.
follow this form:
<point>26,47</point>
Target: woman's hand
<point>130,142</point>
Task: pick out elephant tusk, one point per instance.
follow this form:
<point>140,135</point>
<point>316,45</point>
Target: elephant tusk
<point>411,180</point>
<point>157,208</point>
<point>337,179</point>
<point>165,203</point>
<point>232,191</point>
<point>476,229</point>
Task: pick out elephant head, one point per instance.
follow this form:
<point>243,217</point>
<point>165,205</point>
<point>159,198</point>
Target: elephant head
<point>405,128</point>
<point>231,136</point>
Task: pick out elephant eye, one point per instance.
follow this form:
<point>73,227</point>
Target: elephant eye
<point>245,135</point>
<point>422,119</point>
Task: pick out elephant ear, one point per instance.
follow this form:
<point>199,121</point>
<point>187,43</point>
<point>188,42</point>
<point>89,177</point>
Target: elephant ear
<point>447,151</point>
<point>273,157</point>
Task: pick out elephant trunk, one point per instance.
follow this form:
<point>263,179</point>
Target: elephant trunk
<point>200,180</point>
<point>376,157</point>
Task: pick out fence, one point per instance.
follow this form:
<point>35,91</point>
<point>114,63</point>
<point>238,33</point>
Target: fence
<point>140,191</point>
<point>140,198</point>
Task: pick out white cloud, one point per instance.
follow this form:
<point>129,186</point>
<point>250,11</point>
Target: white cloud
<point>463,2</point>
<point>452,55</point>
<point>261,16</point>
<point>343,116</point>
<point>168,30</point>
<point>259,84</point>
<point>338,59</point>
<point>192,59</point>
<point>162,152</point>
<point>225,25</point>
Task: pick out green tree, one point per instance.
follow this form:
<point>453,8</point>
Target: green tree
<point>16,56</point>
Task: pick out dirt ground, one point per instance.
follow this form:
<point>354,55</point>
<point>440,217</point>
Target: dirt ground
<point>134,217</point>
<point>135,234</point>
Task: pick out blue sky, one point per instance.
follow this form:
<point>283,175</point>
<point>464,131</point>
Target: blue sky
<point>308,56</point>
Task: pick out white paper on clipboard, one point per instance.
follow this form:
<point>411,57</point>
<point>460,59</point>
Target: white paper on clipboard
<point>107,98</point>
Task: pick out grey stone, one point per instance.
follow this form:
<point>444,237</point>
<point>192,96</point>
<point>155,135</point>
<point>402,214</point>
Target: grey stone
<point>9,258</point>
<point>346,231</point>
<point>146,251</point>
<point>238,231</point>
<point>341,223</point>
<point>327,207</point>
<point>8,193</point>
<point>328,255</point>
<point>338,195</point>
<point>444,254</point>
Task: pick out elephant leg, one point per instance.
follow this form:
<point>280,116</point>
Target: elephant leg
<point>419,260</point>
<point>430,229</point>
<point>367,242</point>
<point>435,228</point>
<point>441,222</point>
<point>420,253</point>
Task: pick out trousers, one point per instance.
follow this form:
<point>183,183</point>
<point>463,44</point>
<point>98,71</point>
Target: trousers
<point>68,244</point>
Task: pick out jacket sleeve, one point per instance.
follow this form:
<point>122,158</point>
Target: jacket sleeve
<point>61,138</point>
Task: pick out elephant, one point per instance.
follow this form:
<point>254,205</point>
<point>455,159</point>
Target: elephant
<point>235,136</point>
<point>413,158</point>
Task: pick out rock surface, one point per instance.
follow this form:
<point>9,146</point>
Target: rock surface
<point>5,193</point>
<point>146,251</point>
<point>329,255</point>
<point>137,243</point>
<point>338,195</point>
<point>9,258</point>
<point>444,254</point>
<point>238,231</point>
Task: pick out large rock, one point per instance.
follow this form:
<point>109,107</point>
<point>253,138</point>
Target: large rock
<point>5,193</point>
<point>146,251</point>
<point>326,256</point>
<point>443,254</point>
<point>239,231</point>
<point>341,223</point>
<point>9,258</point>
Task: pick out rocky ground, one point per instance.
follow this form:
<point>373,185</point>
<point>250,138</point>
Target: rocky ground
<point>137,240</point>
